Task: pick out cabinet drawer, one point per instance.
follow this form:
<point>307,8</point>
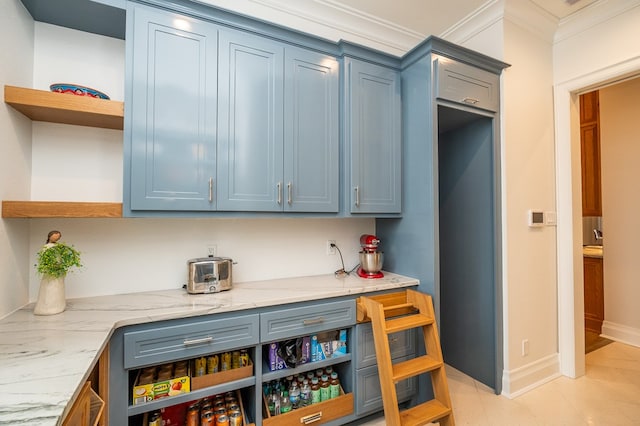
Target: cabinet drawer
<point>319,413</point>
<point>172,342</point>
<point>401,344</point>
<point>288,323</point>
<point>369,395</point>
<point>467,85</point>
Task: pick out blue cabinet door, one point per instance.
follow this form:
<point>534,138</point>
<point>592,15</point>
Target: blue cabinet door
<point>373,138</point>
<point>172,136</point>
<point>311,135</point>
<point>250,157</point>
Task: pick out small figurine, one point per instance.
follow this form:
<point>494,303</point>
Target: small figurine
<point>52,238</point>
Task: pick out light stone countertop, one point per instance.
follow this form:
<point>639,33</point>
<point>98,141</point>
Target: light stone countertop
<point>45,359</point>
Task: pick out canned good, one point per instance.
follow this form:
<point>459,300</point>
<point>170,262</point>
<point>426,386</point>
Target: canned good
<point>208,419</point>
<point>193,415</point>
<point>222,421</point>
<point>155,419</point>
<point>244,358</point>
<point>213,364</point>
<point>200,367</point>
<point>219,412</point>
<point>235,419</point>
<point>233,406</point>
<point>225,361</point>
<point>235,359</point>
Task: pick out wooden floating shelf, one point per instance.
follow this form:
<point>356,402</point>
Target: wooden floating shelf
<point>57,209</point>
<point>41,105</point>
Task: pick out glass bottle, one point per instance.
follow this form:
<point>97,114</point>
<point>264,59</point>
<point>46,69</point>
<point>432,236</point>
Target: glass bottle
<point>334,386</point>
<point>324,388</point>
<point>285,402</point>
<point>305,393</point>
<point>294,395</point>
<point>315,391</point>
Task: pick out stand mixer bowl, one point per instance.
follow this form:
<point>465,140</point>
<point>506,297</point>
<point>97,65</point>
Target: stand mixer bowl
<point>371,261</point>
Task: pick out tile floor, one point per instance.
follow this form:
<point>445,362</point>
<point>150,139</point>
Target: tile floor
<point>608,395</point>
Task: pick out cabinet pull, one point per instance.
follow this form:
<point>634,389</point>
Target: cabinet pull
<point>279,188</point>
<point>191,342</point>
<point>471,101</point>
<point>357,189</point>
<point>289,193</point>
<point>211,190</point>
<point>311,418</point>
<point>313,321</point>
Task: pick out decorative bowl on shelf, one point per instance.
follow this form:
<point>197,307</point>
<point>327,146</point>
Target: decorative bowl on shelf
<point>74,89</point>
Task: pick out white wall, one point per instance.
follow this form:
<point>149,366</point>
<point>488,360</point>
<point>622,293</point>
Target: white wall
<point>16,63</point>
<point>131,255</point>
<point>597,46</point>
<point>522,37</point>
<point>620,150</point>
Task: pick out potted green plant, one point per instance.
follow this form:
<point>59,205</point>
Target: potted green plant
<point>54,260</point>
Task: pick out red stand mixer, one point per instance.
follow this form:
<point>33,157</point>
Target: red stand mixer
<point>370,257</point>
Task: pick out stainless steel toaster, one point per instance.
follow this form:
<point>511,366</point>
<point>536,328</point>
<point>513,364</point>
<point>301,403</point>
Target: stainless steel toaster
<point>209,275</point>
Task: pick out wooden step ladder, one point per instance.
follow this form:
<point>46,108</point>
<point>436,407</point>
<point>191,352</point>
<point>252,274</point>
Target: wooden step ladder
<point>393,312</point>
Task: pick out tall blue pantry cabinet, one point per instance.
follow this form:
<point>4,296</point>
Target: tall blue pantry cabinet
<point>449,233</point>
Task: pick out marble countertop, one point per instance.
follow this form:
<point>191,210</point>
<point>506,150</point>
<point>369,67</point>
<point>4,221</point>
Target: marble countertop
<point>45,359</point>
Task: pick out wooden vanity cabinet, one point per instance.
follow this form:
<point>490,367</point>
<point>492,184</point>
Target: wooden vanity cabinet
<point>590,154</point>
<point>593,294</point>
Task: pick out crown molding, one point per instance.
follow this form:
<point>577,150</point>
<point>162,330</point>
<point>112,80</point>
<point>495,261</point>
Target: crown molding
<point>594,14</point>
<point>530,16</point>
<point>328,19</point>
<point>476,22</point>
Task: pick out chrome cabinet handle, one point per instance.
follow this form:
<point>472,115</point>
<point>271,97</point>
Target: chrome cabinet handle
<point>289,193</point>
<point>279,185</point>
<point>211,190</point>
<point>313,321</point>
<point>191,342</point>
<point>357,189</point>
<point>471,101</point>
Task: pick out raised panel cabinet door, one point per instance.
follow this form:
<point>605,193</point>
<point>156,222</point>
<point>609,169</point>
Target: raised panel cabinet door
<point>373,135</point>
<point>173,112</point>
<point>590,155</point>
<point>250,138</point>
<point>311,120</point>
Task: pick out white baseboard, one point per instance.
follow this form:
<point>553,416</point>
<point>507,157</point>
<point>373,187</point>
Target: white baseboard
<point>523,379</point>
<point>621,333</point>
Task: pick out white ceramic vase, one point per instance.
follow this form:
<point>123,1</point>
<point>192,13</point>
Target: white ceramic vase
<point>51,296</point>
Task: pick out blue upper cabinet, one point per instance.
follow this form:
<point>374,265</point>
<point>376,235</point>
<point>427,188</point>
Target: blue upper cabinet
<point>250,149</point>
<point>170,144</point>
<point>311,138</point>
<point>278,127</point>
<point>372,138</point>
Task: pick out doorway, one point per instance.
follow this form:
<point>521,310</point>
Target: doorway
<point>569,226</point>
<point>470,324</point>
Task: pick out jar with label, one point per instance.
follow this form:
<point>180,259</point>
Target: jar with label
<point>334,386</point>
<point>324,388</point>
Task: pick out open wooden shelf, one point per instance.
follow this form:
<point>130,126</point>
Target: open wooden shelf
<point>41,105</point>
<point>60,209</point>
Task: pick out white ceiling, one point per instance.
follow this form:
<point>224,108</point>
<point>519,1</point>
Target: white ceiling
<point>434,17</point>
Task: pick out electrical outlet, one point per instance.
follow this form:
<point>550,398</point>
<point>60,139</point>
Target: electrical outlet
<point>525,347</point>
<point>212,250</point>
<point>331,250</point>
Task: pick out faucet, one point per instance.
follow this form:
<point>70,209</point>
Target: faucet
<point>598,234</point>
